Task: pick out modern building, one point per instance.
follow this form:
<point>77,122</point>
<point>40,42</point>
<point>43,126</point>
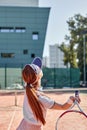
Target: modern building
<point>29,3</point>
<point>23,26</point>
<point>22,32</point>
<point>56,57</point>
<point>45,61</point>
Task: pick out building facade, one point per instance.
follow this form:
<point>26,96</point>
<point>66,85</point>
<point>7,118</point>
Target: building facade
<point>23,26</point>
<point>29,3</point>
<point>56,57</point>
<point>45,61</point>
<point>22,34</point>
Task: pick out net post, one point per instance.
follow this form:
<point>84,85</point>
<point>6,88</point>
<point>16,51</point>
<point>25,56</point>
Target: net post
<point>15,97</point>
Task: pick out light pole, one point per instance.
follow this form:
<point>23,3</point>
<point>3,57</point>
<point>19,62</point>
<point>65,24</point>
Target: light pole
<point>84,59</point>
<point>84,32</point>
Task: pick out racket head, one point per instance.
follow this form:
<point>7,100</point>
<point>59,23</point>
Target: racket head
<point>72,120</point>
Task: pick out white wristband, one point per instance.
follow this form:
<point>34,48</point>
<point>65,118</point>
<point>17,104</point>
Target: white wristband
<point>70,101</point>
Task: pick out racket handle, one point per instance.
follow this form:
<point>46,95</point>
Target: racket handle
<point>76,93</point>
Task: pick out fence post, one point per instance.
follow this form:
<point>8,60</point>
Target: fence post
<point>54,77</point>
<point>5,76</point>
<point>15,97</point>
<point>70,77</point>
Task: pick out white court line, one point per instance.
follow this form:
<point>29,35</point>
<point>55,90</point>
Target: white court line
<point>10,124</point>
<point>9,127</point>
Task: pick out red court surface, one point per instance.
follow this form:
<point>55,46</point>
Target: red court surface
<point>11,109</point>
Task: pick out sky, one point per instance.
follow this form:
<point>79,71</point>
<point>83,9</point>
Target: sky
<point>60,12</point>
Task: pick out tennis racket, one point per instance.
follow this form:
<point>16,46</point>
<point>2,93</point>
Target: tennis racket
<point>72,119</point>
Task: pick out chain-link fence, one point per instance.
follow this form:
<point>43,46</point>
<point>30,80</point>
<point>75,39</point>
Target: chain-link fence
<point>9,77</point>
<point>52,78</point>
<point>60,77</point>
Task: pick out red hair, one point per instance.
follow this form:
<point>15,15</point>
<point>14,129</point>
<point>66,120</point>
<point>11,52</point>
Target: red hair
<point>30,77</point>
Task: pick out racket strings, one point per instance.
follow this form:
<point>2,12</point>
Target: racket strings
<point>72,121</point>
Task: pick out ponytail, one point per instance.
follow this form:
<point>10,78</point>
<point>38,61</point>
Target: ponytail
<point>36,106</point>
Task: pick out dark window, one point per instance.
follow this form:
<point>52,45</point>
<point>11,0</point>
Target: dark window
<point>25,51</point>
<point>7,55</point>
<point>33,55</point>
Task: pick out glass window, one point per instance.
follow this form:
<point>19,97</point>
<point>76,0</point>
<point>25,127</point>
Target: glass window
<point>11,29</point>
<point>6,29</point>
<point>35,35</point>
<point>7,55</point>
<point>25,51</point>
<point>20,29</point>
<point>33,55</point>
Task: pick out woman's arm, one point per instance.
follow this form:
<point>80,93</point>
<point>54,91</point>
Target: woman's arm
<point>66,105</point>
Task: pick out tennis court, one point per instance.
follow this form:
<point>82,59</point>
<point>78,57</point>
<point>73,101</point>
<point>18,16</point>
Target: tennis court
<point>11,107</point>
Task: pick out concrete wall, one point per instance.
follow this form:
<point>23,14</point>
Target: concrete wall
<point>31,3</point>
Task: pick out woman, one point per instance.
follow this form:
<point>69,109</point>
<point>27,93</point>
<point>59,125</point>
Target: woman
<point>35,103</point>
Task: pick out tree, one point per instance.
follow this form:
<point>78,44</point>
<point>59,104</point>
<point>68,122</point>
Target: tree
<point>70,55</point>
<point>76,25</point>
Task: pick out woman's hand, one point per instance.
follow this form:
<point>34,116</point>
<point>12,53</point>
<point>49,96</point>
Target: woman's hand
<point>72,99</point>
